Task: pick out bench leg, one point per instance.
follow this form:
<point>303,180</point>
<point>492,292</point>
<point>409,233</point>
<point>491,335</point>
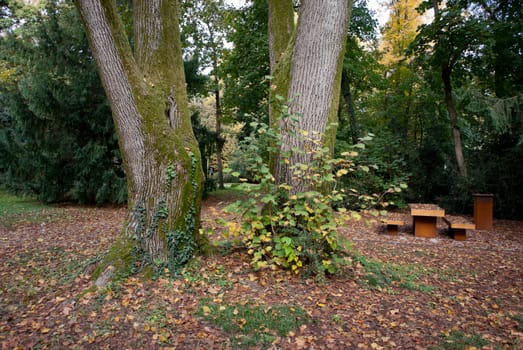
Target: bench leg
<point>459,234</point>
<point>392,230</point>
<point>425,226</point>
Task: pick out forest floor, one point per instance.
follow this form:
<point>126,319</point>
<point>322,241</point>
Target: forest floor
<point>407,293</point>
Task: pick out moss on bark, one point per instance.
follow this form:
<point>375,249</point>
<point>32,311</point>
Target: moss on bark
<point>329,137</point>
<point>116,262</point>
<point>281,79</point>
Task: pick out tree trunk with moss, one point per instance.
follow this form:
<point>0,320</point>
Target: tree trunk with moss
<point>306,61</point>
<point>147,93</point>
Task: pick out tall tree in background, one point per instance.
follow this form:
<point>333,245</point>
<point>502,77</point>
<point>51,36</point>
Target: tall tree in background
<point>453,42</point>
<point>398,33</point>
<point>359,65</point>
<point>306,62</point>
<point>400,30</point>
<point>505,24</point>
<point>206,27</point>
<point>247,64</point>
<point>147,92</point>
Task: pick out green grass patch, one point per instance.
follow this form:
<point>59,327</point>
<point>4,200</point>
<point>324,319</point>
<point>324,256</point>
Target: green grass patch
<point>381,275</point>
<point>252,324</point>
<point>232,191</point>
<point>460,341</point>
<point>519,318</point>
<point>423,254</point>
<point>157,317</point>
<point>15,209</point>
<point>195,274</point>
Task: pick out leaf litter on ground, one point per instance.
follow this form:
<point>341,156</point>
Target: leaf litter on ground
<point>405,292</point>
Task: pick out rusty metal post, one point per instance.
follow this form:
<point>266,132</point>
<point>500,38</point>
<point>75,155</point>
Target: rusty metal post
<point>483,211</point>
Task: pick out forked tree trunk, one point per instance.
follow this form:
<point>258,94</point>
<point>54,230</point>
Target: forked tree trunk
<point>146,90</point>
<point>308,74</point>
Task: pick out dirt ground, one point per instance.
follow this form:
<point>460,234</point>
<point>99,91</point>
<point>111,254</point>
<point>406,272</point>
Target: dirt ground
<point>451,291</point>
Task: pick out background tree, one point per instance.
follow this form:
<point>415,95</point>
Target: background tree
<point>246,65</point>
<point>398,33</point>
<point>145,85</point>
<point>504,24</point>
<point>360,68</point>
<point>205,27</point>
<point>197,84</point>
<point>453,42</point>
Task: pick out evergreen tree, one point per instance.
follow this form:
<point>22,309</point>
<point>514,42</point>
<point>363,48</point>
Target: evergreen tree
<point>57,135</point>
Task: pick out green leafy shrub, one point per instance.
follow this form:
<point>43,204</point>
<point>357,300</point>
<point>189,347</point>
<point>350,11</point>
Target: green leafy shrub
<point>241,165</point>
<point>282,227</point>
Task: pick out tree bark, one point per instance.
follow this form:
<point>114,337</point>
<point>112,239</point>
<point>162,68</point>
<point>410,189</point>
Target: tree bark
<point>308,74</point>
<point>281,29</point>
<point>147,94</point>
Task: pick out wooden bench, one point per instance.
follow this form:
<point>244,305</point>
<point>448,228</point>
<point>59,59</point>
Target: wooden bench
<point>393,226</point>
<point>458,227</point>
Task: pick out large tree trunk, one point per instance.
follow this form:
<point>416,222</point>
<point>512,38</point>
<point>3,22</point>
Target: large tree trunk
<point>148,99</point>
<point>308,74</point>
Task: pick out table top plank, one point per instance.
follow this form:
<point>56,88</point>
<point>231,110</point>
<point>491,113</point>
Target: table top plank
<point>422,209</point>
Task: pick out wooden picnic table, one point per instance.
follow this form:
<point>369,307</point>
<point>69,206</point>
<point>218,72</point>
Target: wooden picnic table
<point>425,218</point>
